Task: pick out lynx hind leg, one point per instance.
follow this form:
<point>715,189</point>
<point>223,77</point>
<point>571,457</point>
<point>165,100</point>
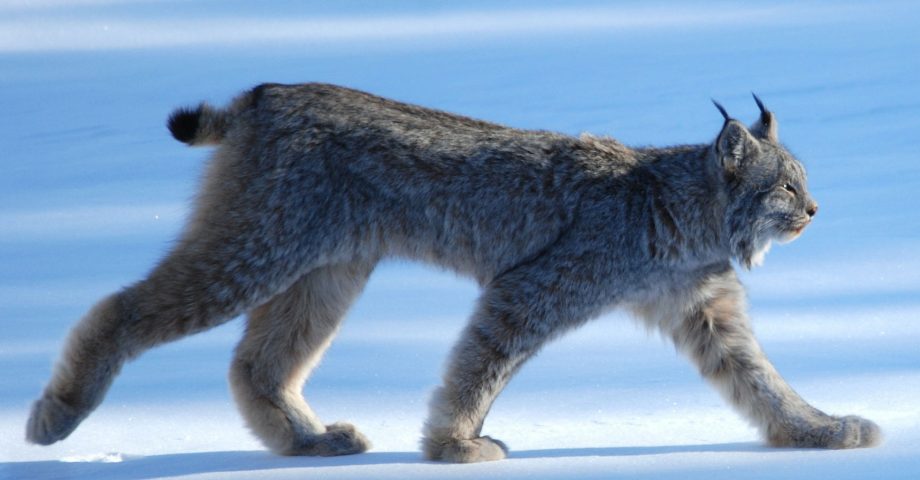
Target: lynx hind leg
<point>166,306</point>
<point>716,335</point>
<point>202,283</point>
<point>284,341</point>
<point>81,376</point>
<point>183,295</point>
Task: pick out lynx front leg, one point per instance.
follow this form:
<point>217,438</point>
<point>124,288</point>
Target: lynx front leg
<point>284,341</point>
<point>716,335</point>
<point>479,369</point>
<point>517,314</point>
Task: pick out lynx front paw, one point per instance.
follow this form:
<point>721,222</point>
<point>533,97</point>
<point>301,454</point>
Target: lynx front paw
<point>51,420</point>
<point>855,432</point>
<point>339,439</point>
<point>481,449</point>
<point>833,432</point>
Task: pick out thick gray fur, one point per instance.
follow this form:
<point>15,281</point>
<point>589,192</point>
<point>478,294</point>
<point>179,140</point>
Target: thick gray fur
<point>311,185</point>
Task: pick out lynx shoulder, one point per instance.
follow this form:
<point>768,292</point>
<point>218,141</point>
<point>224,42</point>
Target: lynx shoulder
<point>310,186</point>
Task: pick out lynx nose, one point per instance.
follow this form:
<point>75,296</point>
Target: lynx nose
<point>812,210</point>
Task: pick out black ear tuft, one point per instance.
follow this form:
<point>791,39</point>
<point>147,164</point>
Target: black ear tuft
<point>763,109</point>
<point>183,124</point>
<point>765,127</point>
<point>724,113</point>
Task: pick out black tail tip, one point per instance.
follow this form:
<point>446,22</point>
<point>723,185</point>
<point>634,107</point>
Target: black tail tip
<point>183,124</point>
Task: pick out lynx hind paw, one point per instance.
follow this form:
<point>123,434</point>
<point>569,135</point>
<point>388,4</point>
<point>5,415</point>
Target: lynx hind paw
<point>51,420</point>
<point>339,439</point>
<point>481,449</point>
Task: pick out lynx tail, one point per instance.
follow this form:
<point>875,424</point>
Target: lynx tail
<point>202,125</point>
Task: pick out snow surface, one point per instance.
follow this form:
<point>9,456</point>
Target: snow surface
<point>94,190</point>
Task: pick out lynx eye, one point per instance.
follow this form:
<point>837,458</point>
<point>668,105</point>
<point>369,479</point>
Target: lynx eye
<point>789,188</point>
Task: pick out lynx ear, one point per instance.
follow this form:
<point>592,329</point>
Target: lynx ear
<point>765,127</point>
<point>734,144</point>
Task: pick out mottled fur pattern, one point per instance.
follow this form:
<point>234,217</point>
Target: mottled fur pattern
<point>311,185</point>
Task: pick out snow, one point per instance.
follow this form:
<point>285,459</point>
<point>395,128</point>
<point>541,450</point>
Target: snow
<point>94,190</point>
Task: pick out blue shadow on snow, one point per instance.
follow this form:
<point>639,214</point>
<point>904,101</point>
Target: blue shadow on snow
<point>180,464</point>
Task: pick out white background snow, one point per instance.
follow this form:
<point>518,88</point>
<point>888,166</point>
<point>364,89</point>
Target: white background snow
<point>93,190</point>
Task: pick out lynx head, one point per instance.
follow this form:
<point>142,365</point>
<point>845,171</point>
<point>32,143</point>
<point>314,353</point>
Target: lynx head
<point>767,196</point>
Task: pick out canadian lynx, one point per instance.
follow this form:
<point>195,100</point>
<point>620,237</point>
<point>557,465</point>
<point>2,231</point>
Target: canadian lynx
<point>311,185</point>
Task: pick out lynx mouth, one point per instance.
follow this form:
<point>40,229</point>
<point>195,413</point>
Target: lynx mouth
<point>792,234</point>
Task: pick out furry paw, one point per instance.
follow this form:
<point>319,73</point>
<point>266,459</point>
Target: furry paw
<point>834,433</point>
<point>855,432</point>
<point>339,439</point>
<point>51,420</point>
<point>481,449</point>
